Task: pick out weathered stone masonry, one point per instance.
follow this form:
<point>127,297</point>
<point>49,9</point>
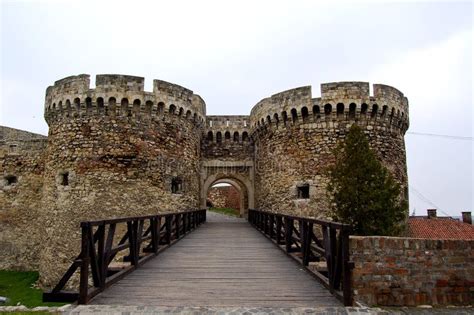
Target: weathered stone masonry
<point>409,271</point>
<point>117,150</point>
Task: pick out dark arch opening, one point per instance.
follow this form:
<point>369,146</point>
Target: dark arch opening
<point>375,109</point>
<point>277,120</point>
<point>339,109</point>
<point>100,102</point>
<point>88,103</point>
<point>316,112</point>
<point>304,114</point>
<point>294,115</point>
<point>136,105</point>
<point>210,136</point>
<point>112,106</point>
<point>327,109</point>
<point>149,107</point>
<point>284,117</point>
<point>77,103</point>
<point>172,109</point>
<point>124,105</point>
<point>68,107</point>
<point>161,107</point>
<point>227,135</point>
<point>245,136</point>
<point>384,110</point>
<point>218,137</point>
<point>236,136</point>
<point>363,109</point>
<point>352,110</point>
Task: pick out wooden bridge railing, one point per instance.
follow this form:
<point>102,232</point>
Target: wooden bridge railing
<point>312,240</point>
<point>144,237</point>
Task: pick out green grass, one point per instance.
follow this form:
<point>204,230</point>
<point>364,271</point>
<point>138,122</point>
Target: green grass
<point>17,286</point>
<point>226,211</point>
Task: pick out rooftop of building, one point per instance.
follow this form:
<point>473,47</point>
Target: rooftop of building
<point>433,227</point>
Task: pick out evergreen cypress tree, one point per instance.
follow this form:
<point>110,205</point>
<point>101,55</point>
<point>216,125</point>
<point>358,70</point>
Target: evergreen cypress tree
<point>362,191</point>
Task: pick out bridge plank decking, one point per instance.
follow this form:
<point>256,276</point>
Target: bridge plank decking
<point>225,262</point>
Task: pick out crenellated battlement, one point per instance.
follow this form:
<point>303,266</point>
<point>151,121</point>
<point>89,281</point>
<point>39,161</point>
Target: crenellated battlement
<point>231,127</point>
<point>121,95</point>
<point>339,102</point>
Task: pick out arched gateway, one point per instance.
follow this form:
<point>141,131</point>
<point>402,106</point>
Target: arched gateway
<point>236,173</point>
<point>227,157</point>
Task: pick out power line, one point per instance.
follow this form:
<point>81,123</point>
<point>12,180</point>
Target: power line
<point>423,198</point>
<point>441,136</point>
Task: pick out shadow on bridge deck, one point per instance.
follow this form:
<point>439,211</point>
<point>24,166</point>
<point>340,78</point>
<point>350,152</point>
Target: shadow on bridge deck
<point>225,262</point>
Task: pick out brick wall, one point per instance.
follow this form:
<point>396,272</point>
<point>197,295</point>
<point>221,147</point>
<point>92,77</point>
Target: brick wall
<point>409,271</point>
<point>224,197</point>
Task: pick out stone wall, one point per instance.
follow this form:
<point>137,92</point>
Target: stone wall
<point>227,138</point>
<point>295,135</point>
<point>394,271</point>
<point>21,169</point>
<point>224,197</point>
<point>107,160</point>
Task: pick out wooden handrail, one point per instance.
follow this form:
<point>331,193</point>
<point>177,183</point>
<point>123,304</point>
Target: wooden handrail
<point>312,240</point>
<point>98,250</point>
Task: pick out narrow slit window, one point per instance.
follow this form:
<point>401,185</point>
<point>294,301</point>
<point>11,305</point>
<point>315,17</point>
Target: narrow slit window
<point>65,179</point>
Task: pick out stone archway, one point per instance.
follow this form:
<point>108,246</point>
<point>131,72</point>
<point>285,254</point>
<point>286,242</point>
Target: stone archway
<point>242,184</point>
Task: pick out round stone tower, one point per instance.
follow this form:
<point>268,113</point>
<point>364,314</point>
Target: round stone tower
<point>115,150</point>
<point>295,134</point>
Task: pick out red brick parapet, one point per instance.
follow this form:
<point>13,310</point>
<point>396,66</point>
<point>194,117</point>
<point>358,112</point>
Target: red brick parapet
<point>394,271</point>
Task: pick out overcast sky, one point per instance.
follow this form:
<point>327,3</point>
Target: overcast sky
<point>235,53</point>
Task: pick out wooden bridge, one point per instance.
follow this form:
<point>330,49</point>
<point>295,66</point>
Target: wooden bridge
<point>225,262</point>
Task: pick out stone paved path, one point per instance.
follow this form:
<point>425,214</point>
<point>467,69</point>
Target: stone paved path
<point>224,263</point>
<point>104,309</point>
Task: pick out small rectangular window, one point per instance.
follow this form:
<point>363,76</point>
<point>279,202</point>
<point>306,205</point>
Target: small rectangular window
<point>11,179</point>
<point>13,148</point>
<point>303,191</point>
<point>176,185</point>
<point>65,179</point>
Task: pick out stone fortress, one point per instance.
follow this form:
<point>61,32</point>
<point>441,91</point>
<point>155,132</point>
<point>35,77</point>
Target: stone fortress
<point>117,150</point>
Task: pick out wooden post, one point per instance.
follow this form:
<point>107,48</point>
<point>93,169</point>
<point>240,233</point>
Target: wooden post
<point>101,256</point>
<point>288,234</point>
<point>278,230</point>
<point>177,219</point>
<point>85,261</point>
<point>185,228</point>
<point>305,236</point>
<point>168,229</point>
<point>346,267</point>
<point>271,223</point>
